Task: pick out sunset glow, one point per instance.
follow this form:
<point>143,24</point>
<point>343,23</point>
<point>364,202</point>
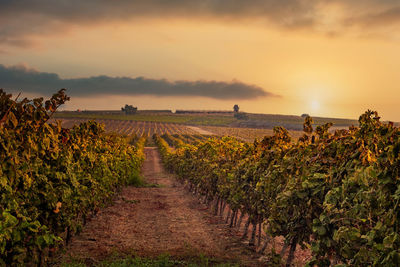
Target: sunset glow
<point>329,58</point>
<point>315,106</point>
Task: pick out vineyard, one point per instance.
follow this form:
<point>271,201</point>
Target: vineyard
<point>148,129</point>
<point>138,128</point>
<point>246,134</point>
<point>336,194</point>
<point>225,119</point>
<point>53,178</point>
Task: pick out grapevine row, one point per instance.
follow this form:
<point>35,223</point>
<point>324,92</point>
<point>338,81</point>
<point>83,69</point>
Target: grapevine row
<point>335,193</point>
<point>52,178</point>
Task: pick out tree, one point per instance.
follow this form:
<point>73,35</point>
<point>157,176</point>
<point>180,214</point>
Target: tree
<point>239,115</point>
<point>129,109</point>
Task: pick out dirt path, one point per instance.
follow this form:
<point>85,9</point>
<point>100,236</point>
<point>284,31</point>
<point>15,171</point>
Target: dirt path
<point>156,220</point>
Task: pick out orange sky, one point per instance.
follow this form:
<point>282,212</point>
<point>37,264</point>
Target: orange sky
<point>323,70</point>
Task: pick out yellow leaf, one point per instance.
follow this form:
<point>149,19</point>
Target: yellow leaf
<point>58,206</point>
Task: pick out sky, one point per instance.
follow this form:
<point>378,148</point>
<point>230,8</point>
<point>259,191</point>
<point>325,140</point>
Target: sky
<point>331,58</point>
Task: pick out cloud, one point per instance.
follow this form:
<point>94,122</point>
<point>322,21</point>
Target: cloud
<point>21,20</point>
<point>285,12</point>
<point>28,80</point>
<point>385,17</point>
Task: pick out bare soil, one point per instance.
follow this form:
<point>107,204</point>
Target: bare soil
<point>151,221</point>
<point>200,131</point>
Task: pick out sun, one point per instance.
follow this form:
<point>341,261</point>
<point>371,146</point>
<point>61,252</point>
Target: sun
<point>315,105</point>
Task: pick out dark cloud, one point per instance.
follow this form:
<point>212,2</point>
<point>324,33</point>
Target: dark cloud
<point>21,19</point>
<point>283,12</point>
<point>378,18</point>
<point>22,78</point>
<point>369,13</point>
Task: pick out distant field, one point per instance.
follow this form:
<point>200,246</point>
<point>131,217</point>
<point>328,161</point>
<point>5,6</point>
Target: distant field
<point>147,128</point>
<point>290,122</point>
<point>138,128</point>
<point>189,119</point>
<point>263,121</point>
<point>246,134</point>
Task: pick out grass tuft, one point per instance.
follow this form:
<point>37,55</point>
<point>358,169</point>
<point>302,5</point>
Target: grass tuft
<point>164,260</point>
<point>135,179</point>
